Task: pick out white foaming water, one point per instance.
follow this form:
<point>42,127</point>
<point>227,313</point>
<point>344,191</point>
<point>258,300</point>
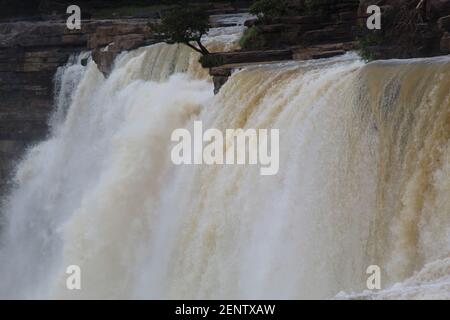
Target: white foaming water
<point>364,179</point>
<point>66,81</point>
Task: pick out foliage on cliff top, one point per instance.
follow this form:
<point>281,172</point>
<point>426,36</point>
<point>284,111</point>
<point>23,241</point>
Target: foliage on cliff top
<point>252,39</point>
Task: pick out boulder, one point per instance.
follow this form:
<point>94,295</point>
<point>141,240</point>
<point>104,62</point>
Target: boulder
<point>253,56</point>
<point>219,81</point>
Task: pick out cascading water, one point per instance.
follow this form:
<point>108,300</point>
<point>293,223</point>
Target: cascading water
<point>364,179</point>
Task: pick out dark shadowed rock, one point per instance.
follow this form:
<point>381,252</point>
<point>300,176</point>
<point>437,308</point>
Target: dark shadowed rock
<point>444,23</point>
<point>219,81</point>
<point>253,56</point>
<point>445,43</point>
<point>437,8</point>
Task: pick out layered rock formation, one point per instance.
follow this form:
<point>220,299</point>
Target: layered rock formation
<point>409,28</point>
<point>330,21</point>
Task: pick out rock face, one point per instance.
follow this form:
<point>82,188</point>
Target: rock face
<point>409,28</point>
<point>30,53</point>
<point>444,26</point>
<point>332,21</point>
<point>109,40</point>
<point>253,56</point>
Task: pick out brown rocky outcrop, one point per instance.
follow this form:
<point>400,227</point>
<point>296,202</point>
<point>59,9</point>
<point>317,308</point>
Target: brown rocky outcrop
<point>333,23</point>
<point>109,40</point>
<point>253,56</point>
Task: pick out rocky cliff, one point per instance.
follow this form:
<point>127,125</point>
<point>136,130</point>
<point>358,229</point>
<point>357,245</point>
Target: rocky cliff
<point>409,28</point>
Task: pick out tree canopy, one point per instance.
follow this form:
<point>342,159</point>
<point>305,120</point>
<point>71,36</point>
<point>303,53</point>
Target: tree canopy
<point>186,25</point>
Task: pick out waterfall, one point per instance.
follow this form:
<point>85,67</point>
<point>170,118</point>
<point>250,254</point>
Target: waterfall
<point>364,179</point>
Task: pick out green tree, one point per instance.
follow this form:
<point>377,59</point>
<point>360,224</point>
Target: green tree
<point>186,25</point>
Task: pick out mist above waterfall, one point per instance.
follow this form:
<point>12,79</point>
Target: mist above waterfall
<point>364,179</point>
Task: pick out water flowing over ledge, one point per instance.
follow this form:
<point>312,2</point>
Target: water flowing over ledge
<point>364,179</point>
